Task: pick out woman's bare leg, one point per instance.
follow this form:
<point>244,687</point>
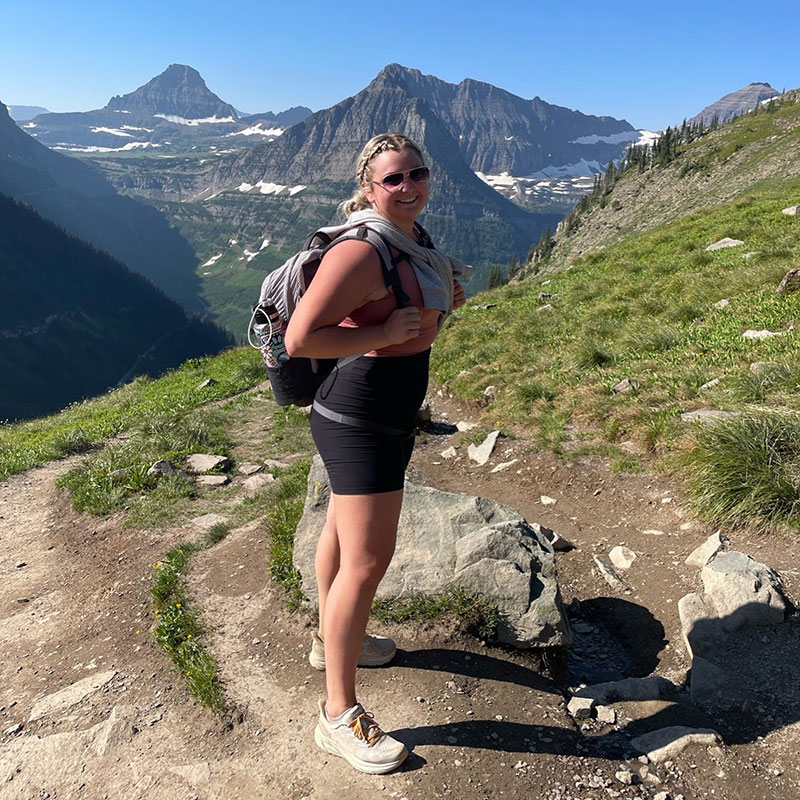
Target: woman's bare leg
<point>366,526</point>
<point>327,560</point>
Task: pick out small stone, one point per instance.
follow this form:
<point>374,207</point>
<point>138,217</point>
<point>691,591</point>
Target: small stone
<point>256,483</point>
<point>724,303</point>
<point>23,600</point>
<point>662,796</point>
<point>21,564</point>
<point>723,243</point>
<point>490,392</point>
<point>480,454</point>
<point>624,776</point>
<point>420,699</point>
<point>464,426</point>
<point>449,453</point>
<point>622,557</point>
<point>626,385</point>
<point>212,480</point>
<point>790,282</point>
<point>762,334</point>
<point>250,469</point>
<point>710,385</point>
<point>504,465</point>
<point>606,569</point>
<point>256,641</point>
<point>424,414</point>
<point>452,740</point>
<point>206,383</point>
<point>558,542</point>
<point>791,211</point>
<point>203,462</point>
<point>580,707</point>
<point>13,729</point>
<point>606,714</point>
<point>162,469</point>
<point>706,551</point>
<point>547,501</point>
<point>665,743</point>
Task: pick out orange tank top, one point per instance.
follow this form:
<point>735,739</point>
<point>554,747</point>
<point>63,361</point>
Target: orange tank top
<point>377,312</point>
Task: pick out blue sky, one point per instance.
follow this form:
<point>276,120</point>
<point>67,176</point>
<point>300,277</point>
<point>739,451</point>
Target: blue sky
<point>650,63</point>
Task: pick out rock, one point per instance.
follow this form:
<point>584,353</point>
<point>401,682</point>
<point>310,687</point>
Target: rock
<point>250,469</point>
<point>206,383</point>
<point>723,243</point>
<point>762,334</point>
<point>446,540</point>
<point>580,707</point>
<point>213,480</point>
<point>161,469</point>
<point>665,743</point>
<point>449,453</point>
<point>606,715</point>
<point>558,542</point>
<point>699,624</point>
<point>203,462</point>
<point>504,465</point>
<point>606,569</point>
<point>661,795</point>
<point>119,475</point>
<point>624,776</point>
<point>208,521</point>
<point>708,416</point>
<point>546,307</point>
<point>16,728</point>
<point>70,695</point>
<point>709,385</point>
<point>724,303</point>
<point>547,501</point>
<point>738,592</point>
<point>639,689</point>
<point>792,211</point>
<point>626,385</point>
<point>708,686</point>
<point>790,282</point>
<point>424,414</point>
<point>622,557</point>
<point>118,729</point>
<point>760,367</point>
<point>653,532</point>
<point>706,551</point>
<point>257,483</point>
<point>464,426</point>
<point>490,392</point>
<point>480,454</point>
<point>194,774</point>
<point>744,591</point>
<point>271,463</point>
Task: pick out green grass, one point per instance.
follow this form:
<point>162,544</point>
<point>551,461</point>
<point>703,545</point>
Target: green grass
<point>178,630</point>
<point>478,614</point>
<point>82,425</point>
<point>746,470</point>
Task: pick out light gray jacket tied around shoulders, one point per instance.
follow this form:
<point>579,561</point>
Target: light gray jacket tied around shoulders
<point>434,270</point>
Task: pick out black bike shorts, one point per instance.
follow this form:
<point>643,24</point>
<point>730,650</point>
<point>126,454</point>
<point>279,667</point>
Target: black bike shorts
<point>387,390</point>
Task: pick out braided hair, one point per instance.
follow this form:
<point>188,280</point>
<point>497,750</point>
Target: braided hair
<point>375,146</point>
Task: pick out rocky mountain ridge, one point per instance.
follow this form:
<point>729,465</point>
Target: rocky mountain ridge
<point>735,103</point>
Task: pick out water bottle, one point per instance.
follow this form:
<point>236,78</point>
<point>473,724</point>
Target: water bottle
<point>270,329</point>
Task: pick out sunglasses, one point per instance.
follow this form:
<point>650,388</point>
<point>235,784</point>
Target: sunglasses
<point>394,180</point>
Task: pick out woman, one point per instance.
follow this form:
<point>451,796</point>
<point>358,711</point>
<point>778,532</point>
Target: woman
<point>348,310</point>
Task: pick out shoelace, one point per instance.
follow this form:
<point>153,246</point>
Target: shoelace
<point>365,728</point>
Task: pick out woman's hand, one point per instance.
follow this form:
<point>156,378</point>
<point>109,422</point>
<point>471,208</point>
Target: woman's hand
<point>459,298</point>
<point>403,324</point>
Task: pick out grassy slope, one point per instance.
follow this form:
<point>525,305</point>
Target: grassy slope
<point>642,309</point>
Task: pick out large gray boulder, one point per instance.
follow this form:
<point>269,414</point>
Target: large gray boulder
<point>447,540</point>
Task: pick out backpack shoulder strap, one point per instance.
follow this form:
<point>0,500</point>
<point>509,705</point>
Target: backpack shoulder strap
<point>388,261</point>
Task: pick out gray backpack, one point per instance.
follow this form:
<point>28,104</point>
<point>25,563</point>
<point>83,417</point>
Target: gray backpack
<point>295,380</point>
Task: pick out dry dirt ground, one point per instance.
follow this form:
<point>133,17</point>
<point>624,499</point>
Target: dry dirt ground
<point>90,708</point>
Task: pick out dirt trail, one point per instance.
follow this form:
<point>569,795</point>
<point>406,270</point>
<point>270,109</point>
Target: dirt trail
<point>482,721</point>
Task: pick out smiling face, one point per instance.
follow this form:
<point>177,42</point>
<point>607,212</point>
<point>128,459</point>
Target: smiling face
<point>403,205</point>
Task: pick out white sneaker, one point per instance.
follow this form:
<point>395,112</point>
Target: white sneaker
<point>375,651</point>
<point>356,737</point>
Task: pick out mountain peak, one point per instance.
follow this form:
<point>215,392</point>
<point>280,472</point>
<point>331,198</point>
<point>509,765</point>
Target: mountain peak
<point>179,90</point>
<point>736,103</point>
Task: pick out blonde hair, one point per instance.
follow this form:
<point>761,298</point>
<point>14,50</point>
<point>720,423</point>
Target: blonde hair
<point>376,145</point>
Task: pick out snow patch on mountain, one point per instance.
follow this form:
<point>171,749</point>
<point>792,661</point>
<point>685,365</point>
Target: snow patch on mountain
<point>272,188</point>
<point>96,149</point>
<point>135,128</point>
<point>204,121</point>
<point>213,260</point>
<point>257,130</point>
<point>112,131</point>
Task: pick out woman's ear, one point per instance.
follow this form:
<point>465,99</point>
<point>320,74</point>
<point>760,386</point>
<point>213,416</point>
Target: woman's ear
<point>366,188</point>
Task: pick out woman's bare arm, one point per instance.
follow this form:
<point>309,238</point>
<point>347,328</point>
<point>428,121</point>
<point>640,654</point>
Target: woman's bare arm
<point>349,276</point>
